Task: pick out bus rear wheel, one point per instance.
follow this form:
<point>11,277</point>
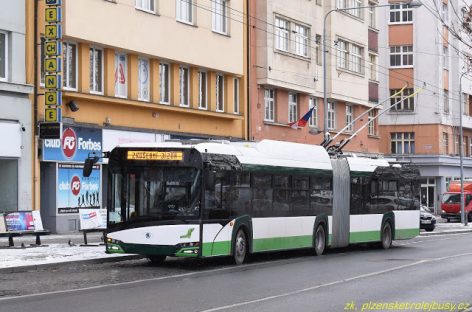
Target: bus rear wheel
<point>240,247</point>
<point>157,260</point>
<point>386,235</point>
<point>320,240</point>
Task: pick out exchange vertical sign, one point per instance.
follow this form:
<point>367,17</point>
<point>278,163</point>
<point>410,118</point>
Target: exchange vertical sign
<point>53,68</point>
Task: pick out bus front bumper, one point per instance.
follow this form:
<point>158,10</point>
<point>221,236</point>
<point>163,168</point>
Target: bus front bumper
<point>180,250</point>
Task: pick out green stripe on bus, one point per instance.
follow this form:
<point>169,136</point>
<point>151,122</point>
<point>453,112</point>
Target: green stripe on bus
<point>406,233</point>
<point>364,237</point>
<point>216,249</point>
<point>278,243</point>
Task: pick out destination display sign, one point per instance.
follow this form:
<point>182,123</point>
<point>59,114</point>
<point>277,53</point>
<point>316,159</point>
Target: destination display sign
<point>155,156</point>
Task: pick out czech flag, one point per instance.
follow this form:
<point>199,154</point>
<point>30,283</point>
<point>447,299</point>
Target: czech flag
<point>302,122</point>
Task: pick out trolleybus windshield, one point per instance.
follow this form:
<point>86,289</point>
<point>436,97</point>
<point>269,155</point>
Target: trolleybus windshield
<point>155,193</point>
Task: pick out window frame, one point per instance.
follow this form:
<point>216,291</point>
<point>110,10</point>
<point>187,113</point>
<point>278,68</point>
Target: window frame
<point>372,128</point>
<point>313,102</point>
<point>446,102</point>
<point>148,99</point>
<point>400,9</point>
<point>151,3</point>
<point>178,12</point>
<point>65,78</point>
<point>200,102</point>
<point>167,89</point>
<point>349,117</point>
<point>117,54</point>
<point>347,59</point>
<point>402,54</point>
<point>405,102</point>
<point>302,41</point>
<point>220,103</point>
<point>372,12</point>
<point>182,70</point>
<point>331,116</point>
<point>269,104</point>
<point>373,67</point>
<point>224,17</point>
<point>400,138</point>
<point>279,32</point>
<point>91,50</point>
<point>236,95</point>
<point>292,107</point>
<point>7,56</point>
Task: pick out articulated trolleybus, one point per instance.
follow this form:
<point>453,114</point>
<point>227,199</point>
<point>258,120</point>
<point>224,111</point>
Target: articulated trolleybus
<point>233,199</point>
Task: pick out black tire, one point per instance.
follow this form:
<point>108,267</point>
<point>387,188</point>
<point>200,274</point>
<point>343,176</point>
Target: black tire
<point>386,235</point>
<point>319,240</point>
<point>157,260</point>
<point>240,247</point>
<point>448,220</point>
<point>429,228</point>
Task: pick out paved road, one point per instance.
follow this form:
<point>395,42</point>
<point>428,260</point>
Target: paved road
<point>427,270</point>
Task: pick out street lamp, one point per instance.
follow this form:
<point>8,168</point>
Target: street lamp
<point>412,3</point>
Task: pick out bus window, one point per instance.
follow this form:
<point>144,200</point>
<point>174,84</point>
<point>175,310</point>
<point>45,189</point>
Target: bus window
<point>240,198</point>
<point>281,200</point>
<point>300,199</point>
<point>320,195</point>
<point>217,199</point>
<point>261,195</point>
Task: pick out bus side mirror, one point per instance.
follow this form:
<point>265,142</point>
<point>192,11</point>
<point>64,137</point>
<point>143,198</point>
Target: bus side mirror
<point>210,181</point>
<point>88,166</point>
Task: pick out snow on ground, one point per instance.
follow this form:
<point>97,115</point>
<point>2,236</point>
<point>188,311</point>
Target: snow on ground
<point>53,253</point>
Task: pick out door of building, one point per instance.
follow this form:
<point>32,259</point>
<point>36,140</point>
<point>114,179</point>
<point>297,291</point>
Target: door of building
<point>428,193</point>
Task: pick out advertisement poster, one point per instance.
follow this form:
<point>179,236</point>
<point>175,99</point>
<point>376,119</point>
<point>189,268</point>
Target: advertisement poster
<point>19,221</point>
<point>3,228</point>
<point>75,146</point>
<point>74,191</point>
<point>92,219</point>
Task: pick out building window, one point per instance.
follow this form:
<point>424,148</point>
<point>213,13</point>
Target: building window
<point>143,79</point>
<point>69,69</point>
<point>292,107</point>
<point>96,70</point>
<point>372,15</point>
<point>202,90</point>
<point>350,56</point>
<point>146,5</point>
<point>269,100</point>
<point>445,57</point>
<point>401,13</point>
<point>373,67</point>
<point>4,56</point>
<point>400,103</point>
<point>220,93</point>
<point>319,55</point>
<point>219,13</point>
<point>184,86</point>
<point>354,4</point>
<point>372,120</point>
<point>42,57</point>
<point>331,116</point>
<point>121,75</point>
<point>281,34</point>
<point>446,101</point>
<point>445,138</point>
<point>184,11</point>
<point>402,142</point>
<point>401,56</point>
<point>349,117</point>
<point>313,121</point>
<point>445,13</point>
<point>236,95</point>
<point>301,40</point>
<point>164,85</point>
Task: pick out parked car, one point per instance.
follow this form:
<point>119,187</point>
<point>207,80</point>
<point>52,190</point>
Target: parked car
<point>427,220</point>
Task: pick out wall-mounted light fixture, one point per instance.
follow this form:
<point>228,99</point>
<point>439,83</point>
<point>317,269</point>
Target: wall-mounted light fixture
<point>73,106</point>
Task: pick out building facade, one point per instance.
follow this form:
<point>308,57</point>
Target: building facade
<point>421,50</point>
<point>138,71</point>
<point>16,127</point>
<point>286,69</point>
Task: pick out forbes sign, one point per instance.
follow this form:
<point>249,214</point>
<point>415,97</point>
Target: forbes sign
<point>75,145</point>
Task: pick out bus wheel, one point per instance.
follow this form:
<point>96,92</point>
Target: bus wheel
<point>157,260</point>
<point>320,240</point>
<point>386,235</point>
<point>240,247</point>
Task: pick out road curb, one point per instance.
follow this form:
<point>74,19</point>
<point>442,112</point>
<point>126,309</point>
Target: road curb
<point>443,233</point>
<point>24,268</point>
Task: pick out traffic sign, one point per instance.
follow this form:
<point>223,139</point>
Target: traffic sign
<point>52,65</point>
<point>53,31</point>
<point>53,2</point>
<point>52,48</point>
<point>53,15</point>
<point>50,130</point>
<point>53,98</point>
<point>53,81</point>
<point>53,114</point>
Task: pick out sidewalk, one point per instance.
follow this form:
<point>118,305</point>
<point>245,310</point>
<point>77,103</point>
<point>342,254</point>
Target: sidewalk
<point>66,248</point>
